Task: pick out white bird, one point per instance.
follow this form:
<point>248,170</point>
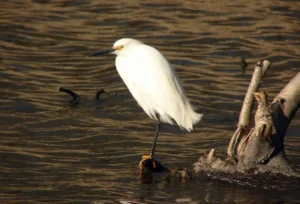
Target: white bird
<point>154,84</point>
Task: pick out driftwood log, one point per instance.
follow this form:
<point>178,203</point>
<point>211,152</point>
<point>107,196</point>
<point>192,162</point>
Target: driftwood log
<point>258,150</point>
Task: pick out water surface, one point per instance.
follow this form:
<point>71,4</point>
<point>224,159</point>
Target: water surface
<point>54,152</point>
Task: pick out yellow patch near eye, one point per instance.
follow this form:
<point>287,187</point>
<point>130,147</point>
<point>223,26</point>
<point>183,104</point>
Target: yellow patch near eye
<point>120,47</point>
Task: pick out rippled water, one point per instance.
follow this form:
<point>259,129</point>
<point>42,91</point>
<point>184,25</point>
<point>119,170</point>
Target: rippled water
<point>55,152</point>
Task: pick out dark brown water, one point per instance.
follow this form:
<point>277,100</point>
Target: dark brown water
<point>54,152</point>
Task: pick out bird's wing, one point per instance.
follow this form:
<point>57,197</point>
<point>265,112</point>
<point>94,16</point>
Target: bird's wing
<point>152,82</point>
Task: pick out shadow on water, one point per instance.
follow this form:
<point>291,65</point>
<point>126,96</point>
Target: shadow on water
<point>54,152</point>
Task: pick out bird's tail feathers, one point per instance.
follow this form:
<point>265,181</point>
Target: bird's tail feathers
<point>190,118</point>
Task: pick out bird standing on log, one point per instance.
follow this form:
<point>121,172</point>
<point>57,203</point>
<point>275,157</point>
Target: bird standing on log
<point>154,84</point>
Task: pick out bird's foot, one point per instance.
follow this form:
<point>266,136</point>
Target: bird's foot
<point>149,165</point>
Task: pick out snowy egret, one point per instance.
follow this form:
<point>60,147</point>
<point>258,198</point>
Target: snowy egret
<point>154,84</point>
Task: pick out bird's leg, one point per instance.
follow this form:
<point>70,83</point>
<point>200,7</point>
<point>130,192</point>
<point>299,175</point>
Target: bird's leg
<point>155,139</point>
<point>147,162</point>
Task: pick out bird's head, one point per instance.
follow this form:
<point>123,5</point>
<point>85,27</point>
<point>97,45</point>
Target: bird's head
<point>119,46</point>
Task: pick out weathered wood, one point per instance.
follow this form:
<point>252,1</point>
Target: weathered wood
<point>260,71</point>
<point>261,149</point>
<point>288,102</point>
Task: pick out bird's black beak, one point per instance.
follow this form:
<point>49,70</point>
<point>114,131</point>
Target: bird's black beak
<point>104,52</point>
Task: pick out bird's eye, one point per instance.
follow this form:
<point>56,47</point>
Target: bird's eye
<point>121,47</point>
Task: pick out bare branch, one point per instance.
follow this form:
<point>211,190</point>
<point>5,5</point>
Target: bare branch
<point>260,150</point>
<point>260,71</point>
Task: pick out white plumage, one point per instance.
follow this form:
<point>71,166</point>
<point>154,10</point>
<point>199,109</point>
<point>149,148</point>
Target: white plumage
<point>154,84</point>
